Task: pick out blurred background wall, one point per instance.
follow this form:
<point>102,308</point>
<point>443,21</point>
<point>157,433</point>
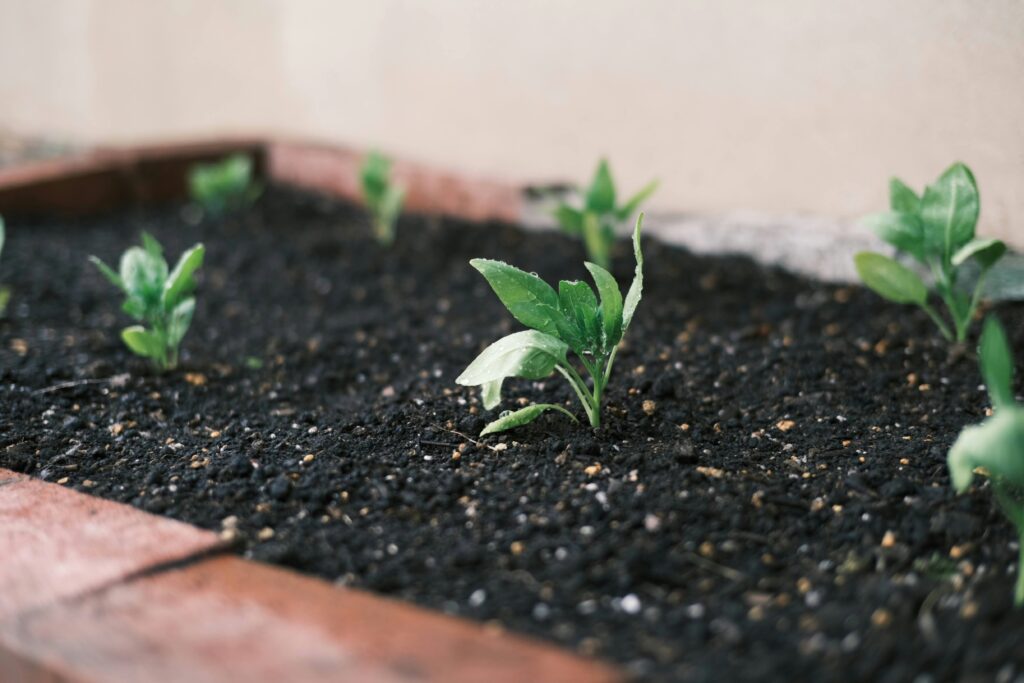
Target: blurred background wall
<point>785,106</point>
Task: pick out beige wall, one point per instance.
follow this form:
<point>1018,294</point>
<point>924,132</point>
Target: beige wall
<point>784,106</point>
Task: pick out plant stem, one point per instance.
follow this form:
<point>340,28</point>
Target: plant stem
<point>943,327</point>
<point>582,392</point>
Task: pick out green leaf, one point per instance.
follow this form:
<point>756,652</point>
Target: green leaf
<point>108,272</point>
<point>611,304</point>
<point>143,274</point>
<point>528,354</point>
<point>5,298</point>
<point>890,279</point>
<point>627,209</point>
<point>985,250</point>
<point>375,174</point>
<point>902,230</point>
<point>569,219</point>
<point>179,283</point>
<point>523,416</point>
<point>636,288</point>
<point>949,211</point>
<point>151,246</point>
<point>144,342</point>
<point>529,299</point>
<point>180,319</point>
<point>598,237</point>
<point>601,194</point>
<point>579,308</point>
<point>997,363</point>
<point>902,199</point>
<point>997,445</point>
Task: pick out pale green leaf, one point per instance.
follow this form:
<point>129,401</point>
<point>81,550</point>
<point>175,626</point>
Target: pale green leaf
<point>986,251</point>
<point>522,416</point>
<point>636,288</point>
<point>108,272</point>
<point>598,238</point>
<point>627,209</point>
<point>529,354</point>
<point>949,211</point>
<point>143,274</point>
<point>529,299</point>
<point>997,445</point>
<point>611,304</point>
<point>144,342</point>
<point>901,230</point>
<point>179,321</point>
<point>997,363</point>
<point>601,193</point>
<point>569,219</point>
<point>902,199</point>
<point>179,283</point>
<point>890,279</point>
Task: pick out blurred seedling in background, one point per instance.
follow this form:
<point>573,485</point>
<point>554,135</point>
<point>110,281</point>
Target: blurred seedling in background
<point>597,221</point>
<point>937,229</point>
<point>224,185</point>
<point>159,299</point>
<point>383,198</point>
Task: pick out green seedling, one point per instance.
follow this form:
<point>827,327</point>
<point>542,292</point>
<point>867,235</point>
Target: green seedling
<point>383,199</point>
<point>160,299</point>
<point>5,292</point>
<point>996,446</point>
<point>223,185</point>
<point>597,221</point>
<point>571,319</point>
<point>937,230</point>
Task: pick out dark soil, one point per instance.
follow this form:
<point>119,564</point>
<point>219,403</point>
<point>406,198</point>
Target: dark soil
<point>767,501</point>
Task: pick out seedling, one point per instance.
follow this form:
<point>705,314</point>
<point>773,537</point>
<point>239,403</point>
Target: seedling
<point>996,446</point>
<point>937,230</point>
<point>383,199</point>
<point>570,319</point>
<point>5,292</point>
<point>162,301</point>
<point>597,221</point>
<point>223,185</point>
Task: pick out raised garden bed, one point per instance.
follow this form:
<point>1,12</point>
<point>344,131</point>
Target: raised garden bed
<point>768,498</point>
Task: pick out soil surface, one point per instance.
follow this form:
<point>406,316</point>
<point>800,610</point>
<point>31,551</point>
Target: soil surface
<point>768,498</point>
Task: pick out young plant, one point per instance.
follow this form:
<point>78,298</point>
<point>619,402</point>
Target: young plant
<point>597,221</point>
<point>223,185</point>
<point>996,446</point>
<point>383,199</point>
<point>160,299</point>
<point>571,319</point>
<point>937,230</point>
<point>5,292</point>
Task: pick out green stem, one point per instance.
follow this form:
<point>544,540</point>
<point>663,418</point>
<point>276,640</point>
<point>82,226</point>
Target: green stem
<point>582,392</point>
<point>943,327</point>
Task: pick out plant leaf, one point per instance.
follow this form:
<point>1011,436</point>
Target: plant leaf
<point>179,321</point>
<point>108,272</point>
<point>985,250</point>
<point>529,299</point>
<point>997,363</point>
<point>579,308</point>
<point>627,209</point>
<point>522,416</point>
<point>995,445</point>
<point>529,354</point>
<point>5,297</point>
<point>569,219</point>
<point>890,279</point>
<point>143,342</point>
<point>611,304</point>
<point>902,230</point>
<point>902,199</point>
<point>598,238</point>
<point>636,288</point>
<point>179,283</point>
<point>143,274</point>
<point>949,211</point>
<point>601,193</point>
